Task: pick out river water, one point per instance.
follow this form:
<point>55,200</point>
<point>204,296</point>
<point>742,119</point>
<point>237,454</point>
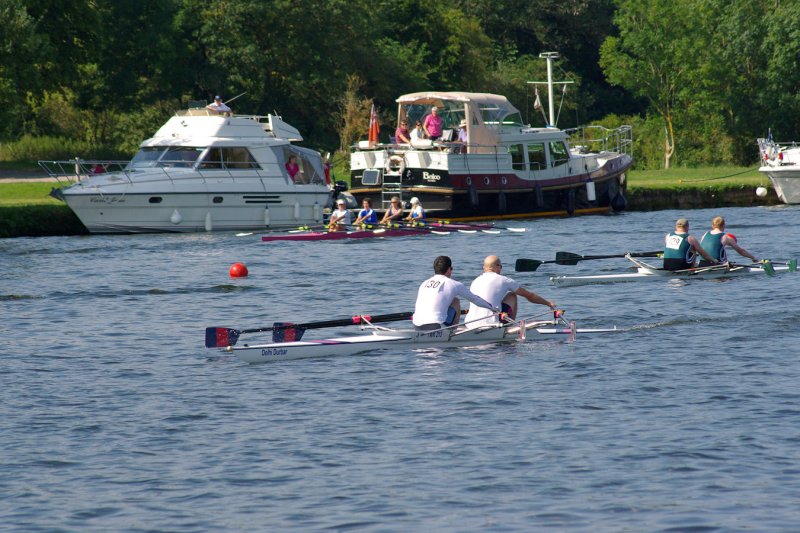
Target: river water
<point>115,417</point>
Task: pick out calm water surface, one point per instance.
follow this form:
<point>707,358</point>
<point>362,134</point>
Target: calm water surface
<point>115,417</point>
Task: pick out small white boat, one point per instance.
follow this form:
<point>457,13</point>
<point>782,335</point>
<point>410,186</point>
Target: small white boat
<point>382,338</point>
<point>647,272</point>
<point>201,171</point>
<point>781,163</point>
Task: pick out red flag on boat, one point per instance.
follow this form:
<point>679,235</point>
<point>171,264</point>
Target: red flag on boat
<point>374,127</point>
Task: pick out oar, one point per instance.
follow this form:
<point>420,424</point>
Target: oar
<point>217,337</point>
<point>568,258</point>
<point>485,228</point>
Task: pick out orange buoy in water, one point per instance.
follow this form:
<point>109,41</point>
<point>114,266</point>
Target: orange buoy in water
<point>238,270</point>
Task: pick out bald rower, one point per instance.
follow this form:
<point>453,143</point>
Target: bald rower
<point>500,291</point>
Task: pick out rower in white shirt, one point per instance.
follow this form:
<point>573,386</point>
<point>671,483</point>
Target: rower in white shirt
<point>500,291</point>
<point>437,299</point>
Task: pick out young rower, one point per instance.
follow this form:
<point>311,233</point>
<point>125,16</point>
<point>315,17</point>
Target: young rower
<point>437,303</point>
<point>500,291</point>
<point>417,214</point>
<point>340,218</point>
<point>715,241</point>
<point>394,213</point>
<point>681,249</point>
<point>367,215</point>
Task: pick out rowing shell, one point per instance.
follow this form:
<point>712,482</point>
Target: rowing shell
<point>382,338</point>
<point>647,272</point>
<point>356,234</point>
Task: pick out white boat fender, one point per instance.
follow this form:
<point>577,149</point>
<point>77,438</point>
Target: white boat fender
<point>176,217</point>
<point>316,212</point>
<point>591,194</point>
<point>297,210</point>
<point>209,225</point>
<point>266,215</point>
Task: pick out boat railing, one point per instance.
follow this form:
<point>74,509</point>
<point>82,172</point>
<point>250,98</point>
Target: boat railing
<point>77,170</point>
<point>773,151</point>
<point>444,147</point>
<point>594,139</point>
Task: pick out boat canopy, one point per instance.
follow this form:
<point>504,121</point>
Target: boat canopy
<point>487,115</point>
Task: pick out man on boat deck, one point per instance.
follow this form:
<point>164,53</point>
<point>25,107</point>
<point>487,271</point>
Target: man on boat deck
<point>219,106</point>
<point>500,291</point>
<point>437,298</point>
<point>715,241</point>
<point>681,249</point>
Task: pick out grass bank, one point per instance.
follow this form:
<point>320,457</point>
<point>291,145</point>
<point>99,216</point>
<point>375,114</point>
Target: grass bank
<point>27,210</point>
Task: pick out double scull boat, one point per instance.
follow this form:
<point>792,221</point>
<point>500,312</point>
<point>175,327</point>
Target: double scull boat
<point>382,338</point>
<point>647,272</point>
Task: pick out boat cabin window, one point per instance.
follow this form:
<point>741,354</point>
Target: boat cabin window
<point>517,156</point>
<point>536,157</point>
<point>147,157</point>
<point>229,159</point>
<point>452,113</point>
<point>559,154</point>
<point>308,173</point>
<point>179,157</point>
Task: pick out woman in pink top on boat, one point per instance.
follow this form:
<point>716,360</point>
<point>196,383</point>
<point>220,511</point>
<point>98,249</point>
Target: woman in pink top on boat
<point>433,124</point>
<point>294,169</point>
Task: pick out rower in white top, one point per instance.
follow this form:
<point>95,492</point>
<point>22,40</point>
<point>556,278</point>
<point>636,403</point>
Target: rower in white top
<point>500,291</point>
<point>437,303</point>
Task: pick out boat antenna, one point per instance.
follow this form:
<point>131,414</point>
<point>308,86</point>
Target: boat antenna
<point>235,97</point>
<point>550,56</point>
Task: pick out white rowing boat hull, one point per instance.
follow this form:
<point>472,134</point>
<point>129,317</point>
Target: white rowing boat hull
<point>647,272</point>
<point>382,339</point>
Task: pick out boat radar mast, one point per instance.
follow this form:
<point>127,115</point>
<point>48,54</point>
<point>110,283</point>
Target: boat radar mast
<point>550,56</point>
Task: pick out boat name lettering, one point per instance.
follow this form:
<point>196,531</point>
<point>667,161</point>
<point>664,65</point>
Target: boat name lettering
<point>266,352</point>
<point>106,200</point>
<point>429,176</point>
<point>436,334</point>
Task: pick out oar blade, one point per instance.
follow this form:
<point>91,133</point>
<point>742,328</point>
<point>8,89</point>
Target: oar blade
<point>792,265</point>
<point>221,337</point>
<point>567,258</point>
<point>287,332</point>
<point>769,270</point>
<point>527,265</point>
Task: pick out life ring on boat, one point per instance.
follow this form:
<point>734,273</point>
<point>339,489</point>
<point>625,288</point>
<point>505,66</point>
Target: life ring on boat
<point>396,163</point>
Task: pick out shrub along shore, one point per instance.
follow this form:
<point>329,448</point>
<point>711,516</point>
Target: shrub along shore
<point>26,210</point>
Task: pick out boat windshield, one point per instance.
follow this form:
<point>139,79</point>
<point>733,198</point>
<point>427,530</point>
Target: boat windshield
<point>499,116</point>
<point>452,113</point>
<point>170,157</point>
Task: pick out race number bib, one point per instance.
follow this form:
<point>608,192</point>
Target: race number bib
<point>674,242</point>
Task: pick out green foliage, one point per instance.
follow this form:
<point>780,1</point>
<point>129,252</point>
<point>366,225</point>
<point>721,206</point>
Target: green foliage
<point>29,148</point>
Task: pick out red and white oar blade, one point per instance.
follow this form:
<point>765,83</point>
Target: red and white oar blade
<point>221,337</point>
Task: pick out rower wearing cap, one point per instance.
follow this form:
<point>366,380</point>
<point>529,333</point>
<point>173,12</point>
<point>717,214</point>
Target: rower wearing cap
<point>681,249</point>
<point>219,107</point>
<point>715,241</point>
<point>340,218</point>
<point>500,291</point>
<point>417,213</point>
<point>437,303</point>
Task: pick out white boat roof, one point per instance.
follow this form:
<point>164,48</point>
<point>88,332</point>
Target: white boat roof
<point>197,127</point>
<point>431,97</point>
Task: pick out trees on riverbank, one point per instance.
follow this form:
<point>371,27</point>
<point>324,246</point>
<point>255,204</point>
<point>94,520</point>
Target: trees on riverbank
<point>107,73</point>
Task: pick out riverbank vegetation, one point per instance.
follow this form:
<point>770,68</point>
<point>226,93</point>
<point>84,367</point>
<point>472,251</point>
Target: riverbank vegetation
<point>698,80</point>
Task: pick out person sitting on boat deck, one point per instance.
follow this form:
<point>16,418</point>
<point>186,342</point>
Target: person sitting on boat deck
<point>367,215</point>
<point>460,146</point>
<point>340,218</point>
<point>715,241</point>
<point>294,170</point>
<point>417,214</point>
<point>401,134</point>
<point>433,125</point>
<point>219,107</point>
<point>681,249</point>
<point>437,303</point>
<point>500,291</point>
<point>394,213</point>
<point>417,134</point>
